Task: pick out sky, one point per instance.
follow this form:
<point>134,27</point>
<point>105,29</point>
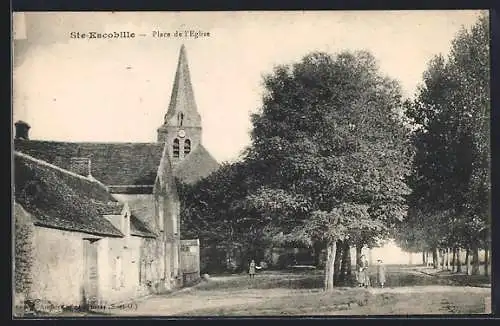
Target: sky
<point>118,90</point>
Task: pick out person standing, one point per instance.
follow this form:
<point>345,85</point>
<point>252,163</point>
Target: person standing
<point>359,272</point>
<point>251,270</point>
<point>380,272</point>
<point>363,272</point>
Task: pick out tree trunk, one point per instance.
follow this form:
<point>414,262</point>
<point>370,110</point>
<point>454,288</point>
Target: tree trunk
<point>359,248</point>
<point>435,258</point>
<point>338,261</point>
<point>349,261</point>
<point>475,261</point>
<point>459,263</point>
<point>346,261</point>
<point>443,258</point>
<point>342,272</point>
<point>448,250</point>
<point>486,272</point>
<point>453,259</point>
<point>423,258</point>
<point>467,261</point>
<point>329,267</point>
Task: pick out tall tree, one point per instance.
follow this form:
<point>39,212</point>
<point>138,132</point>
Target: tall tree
<point>332,150</point>
<point>451,186</point>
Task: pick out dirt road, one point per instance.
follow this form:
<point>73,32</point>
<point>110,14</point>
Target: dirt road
<point>236,295</point>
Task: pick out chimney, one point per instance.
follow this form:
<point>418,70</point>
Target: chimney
<point>81,166</point>
<point>22,130</point>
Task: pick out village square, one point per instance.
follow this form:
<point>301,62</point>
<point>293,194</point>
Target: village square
<point>350,197</point>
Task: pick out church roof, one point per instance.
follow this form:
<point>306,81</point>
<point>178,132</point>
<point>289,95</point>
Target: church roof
<point>195,166</point>
<point>60,199</point>
<point>64,200</point>
<point>139,228</point>
<point>182,97</point>
<point>114,164</point>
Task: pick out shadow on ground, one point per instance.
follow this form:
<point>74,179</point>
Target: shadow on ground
<point>396,276</point>
<point>409,290</point>
<point>422,277</point>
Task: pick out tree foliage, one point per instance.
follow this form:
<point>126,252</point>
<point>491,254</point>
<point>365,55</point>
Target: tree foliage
<point>327,162</point>
<point>333,146</point>
<point>451,185</point>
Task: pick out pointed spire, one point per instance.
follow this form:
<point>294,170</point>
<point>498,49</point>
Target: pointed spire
<point>182,98</point>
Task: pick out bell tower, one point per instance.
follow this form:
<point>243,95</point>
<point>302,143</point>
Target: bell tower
<point>181,129</point>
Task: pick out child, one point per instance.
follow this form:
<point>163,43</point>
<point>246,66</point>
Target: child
<point>251,270</point>
<point>380,273</point>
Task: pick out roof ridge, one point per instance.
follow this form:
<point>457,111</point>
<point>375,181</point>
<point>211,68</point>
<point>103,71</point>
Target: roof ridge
<point>73,174</point>
<point>112,164</point>
<point>93,179</point>
<point>47,164</point>
<point>90,142</point>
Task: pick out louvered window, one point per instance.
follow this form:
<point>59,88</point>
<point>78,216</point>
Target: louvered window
<point>176,147</point>
<point>187,147</point>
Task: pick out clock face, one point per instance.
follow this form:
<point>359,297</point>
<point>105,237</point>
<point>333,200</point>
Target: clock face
<point>181,133</point>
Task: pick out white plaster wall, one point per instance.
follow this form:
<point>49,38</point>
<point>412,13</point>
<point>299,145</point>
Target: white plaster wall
<point>103,269</point>
<point>129,253</point>
<point>58,266</point>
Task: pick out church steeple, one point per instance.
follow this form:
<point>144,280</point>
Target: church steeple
<point>182,98</point>
<point>182,123</point>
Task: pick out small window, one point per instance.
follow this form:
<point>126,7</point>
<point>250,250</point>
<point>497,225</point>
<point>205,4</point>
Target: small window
<point>187,146</point>
<point>176,147</point>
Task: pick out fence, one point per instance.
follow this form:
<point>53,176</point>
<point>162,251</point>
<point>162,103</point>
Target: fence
<point>190,261</point>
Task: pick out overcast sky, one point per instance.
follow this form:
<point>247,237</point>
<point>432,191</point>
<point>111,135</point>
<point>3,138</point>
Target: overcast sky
<point>119,90</point>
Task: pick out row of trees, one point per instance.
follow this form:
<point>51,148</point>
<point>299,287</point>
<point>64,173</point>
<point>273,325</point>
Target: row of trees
<point>450,202</point>
<point>334,159</point>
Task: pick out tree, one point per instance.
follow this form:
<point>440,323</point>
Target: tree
<point>450,180</point>
<point>332,150</point>
<point>212,210</point>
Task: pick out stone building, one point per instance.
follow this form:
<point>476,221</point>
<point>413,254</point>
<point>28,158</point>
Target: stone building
<point>100,221</point>
<point>75,243</point>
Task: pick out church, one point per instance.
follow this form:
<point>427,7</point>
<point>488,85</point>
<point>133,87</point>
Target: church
<point>99,222</point>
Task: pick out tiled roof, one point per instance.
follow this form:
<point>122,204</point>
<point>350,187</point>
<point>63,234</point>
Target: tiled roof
<point>143,209</point>
<point>60,199</point>
<point>197,165</point>
<point>111,163</point>
<point>139,228</point>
